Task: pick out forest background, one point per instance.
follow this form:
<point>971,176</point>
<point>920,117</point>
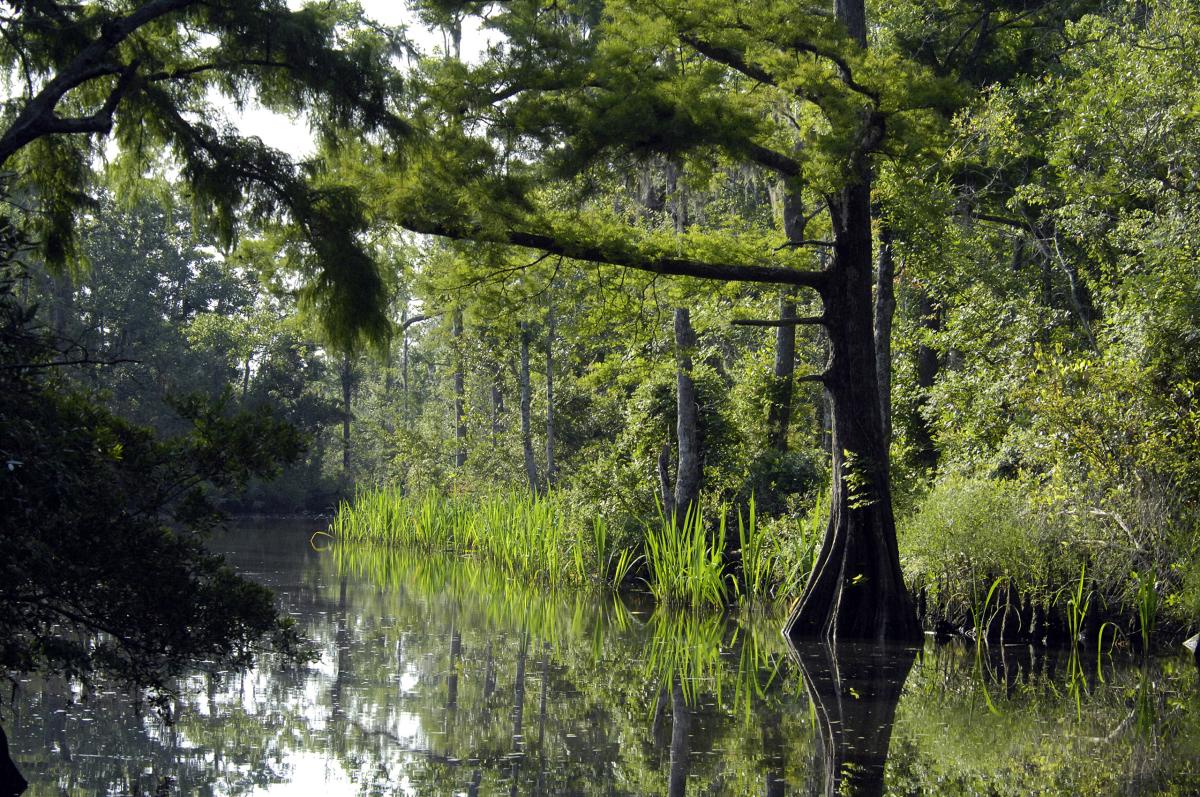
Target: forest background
<point>1037,294</point>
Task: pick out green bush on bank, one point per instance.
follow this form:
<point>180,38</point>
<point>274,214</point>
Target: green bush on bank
<point>967,531</point>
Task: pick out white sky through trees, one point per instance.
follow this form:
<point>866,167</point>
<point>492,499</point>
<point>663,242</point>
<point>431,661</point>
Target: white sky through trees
<point>292,135</point>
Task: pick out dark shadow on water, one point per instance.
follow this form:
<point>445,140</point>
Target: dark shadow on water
<point>855,690</point>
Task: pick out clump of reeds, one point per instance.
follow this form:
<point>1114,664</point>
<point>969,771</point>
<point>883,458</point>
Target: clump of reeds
<point>521,533</point>
<point>686,564</point>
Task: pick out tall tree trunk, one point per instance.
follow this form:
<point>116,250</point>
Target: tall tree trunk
<point>779,412</point>
<point>885,310</point>
<point>526,397</point>
<point>460,421</point>
<point>550,468</point>
<point>856,590</point>
<point>497,402</point>
<point>688,472</point>
<point>347,389</point>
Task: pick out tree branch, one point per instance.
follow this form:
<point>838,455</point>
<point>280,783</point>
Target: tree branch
<point>416,320</point>
<point>673,266</point>
<point>736,60</point>
<point>37,118</point>
<point>101,121</point>
<point>811,320</point>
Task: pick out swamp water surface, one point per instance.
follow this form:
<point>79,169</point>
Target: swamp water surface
<point>439,677</point>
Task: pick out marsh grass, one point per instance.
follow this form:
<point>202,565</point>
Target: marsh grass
<point>758,559</point>
<point>685,564</point>
<point>526,535</point>
<point>537,537</point>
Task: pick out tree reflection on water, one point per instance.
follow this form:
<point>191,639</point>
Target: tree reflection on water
<point>440,677</point>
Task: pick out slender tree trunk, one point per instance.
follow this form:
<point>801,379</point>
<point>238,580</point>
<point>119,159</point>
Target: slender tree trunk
<point>460,422</point>
<point>526,397</point>
<point>551,471</point>
<point>779,413</point>
<point>347,389</point>
<point>929,318</point>
<point>666,493</point>
<point>885,310</point>
<point>497,403</point>
<point>11,782</point>
<point>856,590</point>
<point>404,368</point>
<point>688,472</point>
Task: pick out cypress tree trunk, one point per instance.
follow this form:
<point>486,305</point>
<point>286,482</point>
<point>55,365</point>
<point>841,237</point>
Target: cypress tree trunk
<point>687,475</point>
<point>856,590</point>
<point>526,430</point>
<point>460,423</point>
<point>855,691</point>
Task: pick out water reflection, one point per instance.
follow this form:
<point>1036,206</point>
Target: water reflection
<point>855,690</point>
<point>440,677</point>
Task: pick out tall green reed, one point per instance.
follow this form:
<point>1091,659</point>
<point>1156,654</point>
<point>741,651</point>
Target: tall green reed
<point>686,567</point>
<point>758,559</point>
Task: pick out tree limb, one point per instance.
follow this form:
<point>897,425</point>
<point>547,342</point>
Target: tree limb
<point>673,266</point>
<point>38,118</point>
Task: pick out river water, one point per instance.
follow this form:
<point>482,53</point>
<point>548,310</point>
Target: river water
<point>436,677</point>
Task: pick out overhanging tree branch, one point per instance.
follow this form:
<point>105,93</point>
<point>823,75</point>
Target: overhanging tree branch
<point>38,117</point>
<point>592,253</point>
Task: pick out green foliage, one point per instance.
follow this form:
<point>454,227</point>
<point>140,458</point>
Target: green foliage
<point>93,576</point>
<point>967,532</point>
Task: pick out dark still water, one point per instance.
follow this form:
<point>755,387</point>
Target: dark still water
<point>439,678</point>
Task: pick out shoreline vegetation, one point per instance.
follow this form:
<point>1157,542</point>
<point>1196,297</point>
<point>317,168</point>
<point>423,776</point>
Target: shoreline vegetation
<point>727,558</point>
